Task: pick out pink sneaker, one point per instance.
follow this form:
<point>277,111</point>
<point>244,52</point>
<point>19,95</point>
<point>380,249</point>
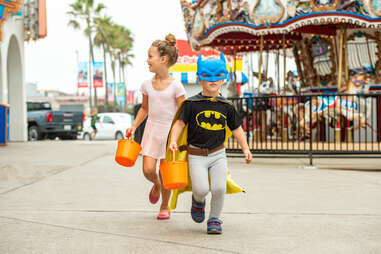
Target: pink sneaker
<point>153,199</point>
<point>164,216</point>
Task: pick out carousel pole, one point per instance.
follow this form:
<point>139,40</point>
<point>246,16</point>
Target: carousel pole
<point>349,131</point>
<point>260,62</point>
<point>262,134</point>
<point>267,64</point>
<point>345,45</point>
<point>251,71</point>
<point>278,71</point>
<point>369,55</point>
<point>284,117</point>
<point>298,66</point>
<point>376,66</point>
<point>284,62</point>
<point>339,78</point>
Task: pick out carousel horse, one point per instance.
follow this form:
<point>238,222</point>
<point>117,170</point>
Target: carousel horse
<point>251,109</point>
<point>350,106</point>
<point>282,108</point>
<point>231,87</point>
<point>292,83</point>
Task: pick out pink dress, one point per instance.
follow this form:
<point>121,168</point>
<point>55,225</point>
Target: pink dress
<point>162,108</point>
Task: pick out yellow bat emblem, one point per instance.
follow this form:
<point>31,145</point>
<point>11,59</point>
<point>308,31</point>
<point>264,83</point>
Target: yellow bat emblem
<point>211,120</point>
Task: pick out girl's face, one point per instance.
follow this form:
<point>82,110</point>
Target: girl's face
<point>155,61</point>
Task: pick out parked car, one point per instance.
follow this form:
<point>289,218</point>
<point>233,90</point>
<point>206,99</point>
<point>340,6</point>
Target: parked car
<point>43,122</point>
<point>109,126</point>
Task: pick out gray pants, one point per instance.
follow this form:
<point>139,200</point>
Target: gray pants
<point>203,168</point>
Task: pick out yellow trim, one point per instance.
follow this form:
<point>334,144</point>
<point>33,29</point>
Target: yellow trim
<point>193,67</point>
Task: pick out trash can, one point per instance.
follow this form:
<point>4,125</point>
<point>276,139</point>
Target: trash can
<point>4,124</point>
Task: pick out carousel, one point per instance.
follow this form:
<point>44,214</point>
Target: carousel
<point>331,103</point>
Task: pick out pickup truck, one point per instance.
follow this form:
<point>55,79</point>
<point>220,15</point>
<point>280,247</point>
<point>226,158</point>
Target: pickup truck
<point>45,123</point>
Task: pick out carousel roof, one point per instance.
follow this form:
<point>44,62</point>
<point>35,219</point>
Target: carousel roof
<point>237,25</point>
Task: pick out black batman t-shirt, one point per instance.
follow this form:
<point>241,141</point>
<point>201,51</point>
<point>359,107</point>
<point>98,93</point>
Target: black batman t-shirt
<point>207,121</point>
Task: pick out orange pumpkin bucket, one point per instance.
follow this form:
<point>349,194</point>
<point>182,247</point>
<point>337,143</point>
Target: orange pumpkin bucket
<point>127,152</point>
<point>174,173</point>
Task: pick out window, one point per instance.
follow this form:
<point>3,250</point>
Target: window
<point>107,119</point>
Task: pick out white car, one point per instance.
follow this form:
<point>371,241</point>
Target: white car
<point>109,126</point>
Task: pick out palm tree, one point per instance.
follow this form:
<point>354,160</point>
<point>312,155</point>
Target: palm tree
<point>101,39</point>
<point>124,45</point>
<point>86,11</point>
<point>112,53</point>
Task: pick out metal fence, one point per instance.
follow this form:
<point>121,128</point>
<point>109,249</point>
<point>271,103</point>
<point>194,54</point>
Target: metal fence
<point>311,125</point>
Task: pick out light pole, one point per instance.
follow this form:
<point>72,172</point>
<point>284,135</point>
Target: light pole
<point>77,54</point>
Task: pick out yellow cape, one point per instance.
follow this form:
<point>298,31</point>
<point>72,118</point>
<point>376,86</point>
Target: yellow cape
<point>231,186</point>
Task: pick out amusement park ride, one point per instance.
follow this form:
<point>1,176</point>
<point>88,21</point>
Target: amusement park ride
<point>336,45</point>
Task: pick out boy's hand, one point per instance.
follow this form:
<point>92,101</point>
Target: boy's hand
<point>173,146</point>
<point>130,131</point>
<point>248,155</point>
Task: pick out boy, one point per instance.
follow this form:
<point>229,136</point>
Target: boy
<point>94,118</point>
<point>209,119</point>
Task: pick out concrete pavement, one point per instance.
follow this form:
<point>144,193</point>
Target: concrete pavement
<point>71,197</point>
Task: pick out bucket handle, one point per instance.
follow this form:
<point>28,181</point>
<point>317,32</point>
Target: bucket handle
<point>173,155</point>
<point>130,137</point>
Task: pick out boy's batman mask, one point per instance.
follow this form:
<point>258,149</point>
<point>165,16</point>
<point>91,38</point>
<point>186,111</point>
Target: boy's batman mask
<point>212,69</point>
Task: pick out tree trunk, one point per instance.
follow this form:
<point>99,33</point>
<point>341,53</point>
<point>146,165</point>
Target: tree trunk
<point>90,87</point>
<point>125,89</point>
<point>92,58</point>
<point>114,84</point>
<point>105,70</point>
<point>124,86</point>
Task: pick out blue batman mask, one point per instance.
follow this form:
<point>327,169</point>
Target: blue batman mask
<point>212,69</point>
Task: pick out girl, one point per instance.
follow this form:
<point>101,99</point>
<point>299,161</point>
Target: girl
<point>161,97</point>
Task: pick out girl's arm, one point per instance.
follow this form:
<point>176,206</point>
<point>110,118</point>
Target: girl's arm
<point>241,139</point>
<point>175,134</point>
<point>142,114</point>
<point>179,100</point>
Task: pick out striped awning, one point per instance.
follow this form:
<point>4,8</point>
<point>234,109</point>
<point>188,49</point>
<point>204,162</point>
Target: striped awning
<point>191,77</point>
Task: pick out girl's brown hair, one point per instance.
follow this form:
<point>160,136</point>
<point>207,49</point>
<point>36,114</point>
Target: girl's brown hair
<point>167,47</point>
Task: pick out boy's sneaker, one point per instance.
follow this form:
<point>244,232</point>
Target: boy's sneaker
<point>214,226</point>
<point>198,211</point>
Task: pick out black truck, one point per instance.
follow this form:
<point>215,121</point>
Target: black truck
<point>43,122</point>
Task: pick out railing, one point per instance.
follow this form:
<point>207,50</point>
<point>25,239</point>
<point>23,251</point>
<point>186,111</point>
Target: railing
<point>311,125</point>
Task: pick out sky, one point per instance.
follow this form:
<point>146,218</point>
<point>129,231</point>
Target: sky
<point>52,62</point>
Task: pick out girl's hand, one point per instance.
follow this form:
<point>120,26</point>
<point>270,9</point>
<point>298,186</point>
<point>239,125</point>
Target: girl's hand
<point>248,155</point>
<point>173,146</point>
<point>130,131</point>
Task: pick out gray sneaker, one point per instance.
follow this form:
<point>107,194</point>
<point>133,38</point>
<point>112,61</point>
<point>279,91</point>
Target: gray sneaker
<point>214,226</point>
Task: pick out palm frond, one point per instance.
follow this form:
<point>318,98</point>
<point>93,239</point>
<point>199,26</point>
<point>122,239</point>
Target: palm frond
<point>75,24</point>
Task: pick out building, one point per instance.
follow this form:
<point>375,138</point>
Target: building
<point>15,27</point>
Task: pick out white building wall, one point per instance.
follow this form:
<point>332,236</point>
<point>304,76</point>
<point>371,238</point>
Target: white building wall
<point>12,89</point>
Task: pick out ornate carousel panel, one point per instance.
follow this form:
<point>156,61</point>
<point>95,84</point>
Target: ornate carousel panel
<point>268,12</point>
<point>324,5</point>
<point>224,10</point>
<point>198,24</point>
<point>375,6</point>
<point>213,22</point>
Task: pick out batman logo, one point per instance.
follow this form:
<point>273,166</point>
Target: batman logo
<point>211,120</point>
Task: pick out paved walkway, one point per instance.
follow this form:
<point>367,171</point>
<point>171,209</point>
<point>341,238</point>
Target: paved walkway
<point>71,197</point>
